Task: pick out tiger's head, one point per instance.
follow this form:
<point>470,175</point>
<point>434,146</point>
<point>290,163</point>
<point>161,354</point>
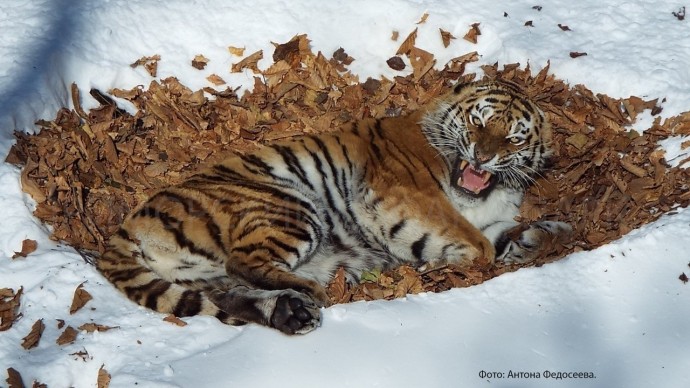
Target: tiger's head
<point>490,134</point>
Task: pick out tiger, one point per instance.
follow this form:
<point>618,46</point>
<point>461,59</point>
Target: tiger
<point>257,237</point>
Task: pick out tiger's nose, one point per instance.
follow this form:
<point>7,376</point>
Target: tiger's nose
<point>482,157</point>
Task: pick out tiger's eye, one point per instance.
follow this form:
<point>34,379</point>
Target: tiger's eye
<point>476,121</point>
<point>516,140</point>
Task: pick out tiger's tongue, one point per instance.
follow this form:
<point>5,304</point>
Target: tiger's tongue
<point>474,180</point>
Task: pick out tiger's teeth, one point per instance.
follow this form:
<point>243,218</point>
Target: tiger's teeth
<point>463,164</point>
<point>477,191</point>
<point>487,176</point>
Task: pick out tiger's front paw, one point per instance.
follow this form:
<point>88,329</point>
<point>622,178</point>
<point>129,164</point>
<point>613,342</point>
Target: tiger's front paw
<point>295,313</point>
<point>534,241</point>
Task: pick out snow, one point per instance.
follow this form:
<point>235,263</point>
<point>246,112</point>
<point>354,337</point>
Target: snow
<point>618,312</point>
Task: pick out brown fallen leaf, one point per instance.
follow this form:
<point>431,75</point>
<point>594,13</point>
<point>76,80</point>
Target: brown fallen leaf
<point>341,56</point>
<point>14,379</point>
<point>408,43</point>
<point>68,336</point>
<point>396,63</point>
<point>250,62</point>
<point>37,384</point>
<point>28,247</point>
<point>80,298</point>
<point>395,35</point>
<point>529,23</point>
<point>564,27</point>
<point>215,79</point>
<point>199,62</point>
<point>32,339</point>
<point>473,33</point>
<point>83,354</point>
<point>423,19</point>
<point>446,37</point>
<point>174,320</point>
<point>575,54</point>
<point>337,288</point>
<point>91,327</point>
<point>149,63</point>
<point>236,51</point>
<point>683,278</point>
<point>9,306</point>
<point>103,380</point>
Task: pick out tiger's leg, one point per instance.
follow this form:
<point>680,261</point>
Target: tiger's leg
<point>286,310</point>
<point>532,241</point>
<point>263,256</point>
<point>429,230</point>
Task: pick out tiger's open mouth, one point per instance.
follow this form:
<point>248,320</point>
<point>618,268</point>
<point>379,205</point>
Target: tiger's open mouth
<point>472,180</point>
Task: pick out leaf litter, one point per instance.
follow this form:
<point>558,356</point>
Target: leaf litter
<point>87,170</point>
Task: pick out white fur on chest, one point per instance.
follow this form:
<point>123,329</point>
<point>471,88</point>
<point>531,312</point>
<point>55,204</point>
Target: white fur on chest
<point>501,205</point>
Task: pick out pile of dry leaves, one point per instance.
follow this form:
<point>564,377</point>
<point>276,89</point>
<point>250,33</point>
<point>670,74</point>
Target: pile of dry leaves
<point>87,170</point>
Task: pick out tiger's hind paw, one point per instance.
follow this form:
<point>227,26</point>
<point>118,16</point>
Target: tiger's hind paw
<point>535,241</point>
<point>295,313</point>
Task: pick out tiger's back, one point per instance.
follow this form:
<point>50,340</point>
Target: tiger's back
<point>256,237</point>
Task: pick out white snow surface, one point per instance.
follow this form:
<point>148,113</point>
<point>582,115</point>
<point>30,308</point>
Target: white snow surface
<point>618,314</point>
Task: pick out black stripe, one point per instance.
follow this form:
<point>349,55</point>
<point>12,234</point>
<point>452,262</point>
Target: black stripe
<point>258,162</point>
<point>175,226</point>
<point>195,209</point>
<point>292,163</point>
<point>286,247</point>
<point>156,288</point>
<point>251,248</point>
<point>189,304</point>
<point>396,228</point>
<point>379,129</point>
<point>126,274</point>
<point>418,247</point>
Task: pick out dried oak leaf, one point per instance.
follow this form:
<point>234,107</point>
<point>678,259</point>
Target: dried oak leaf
<point>14,379</point>
<point>293,51</point>
<point>32,339</point>
<point>683,278</point>
<point>199,62</point>
<point>423,19</point>
<point>396,63</point>
<point>575,54</point>
<point>236,51</point>
<point>91,327</point>
<point>407,44</point>
<point>9,305</point>
<point>341,56</point>
<point>250,62</point>
<point>564,27</point>
<point>68,336</point>
<point>28,247</point>
<point>395,35</point>
<point>37,384</point>
<point>529,23</point>
<point>338,288</point>
<point>80,298</point>
<point>446,37</point>
<point>410,282</point>
<point>149,63</point>
<point>537,7</point>
<point>103,380</point>
<point>215,79</point>
<point>473,33</point>
<point>174,320</point>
